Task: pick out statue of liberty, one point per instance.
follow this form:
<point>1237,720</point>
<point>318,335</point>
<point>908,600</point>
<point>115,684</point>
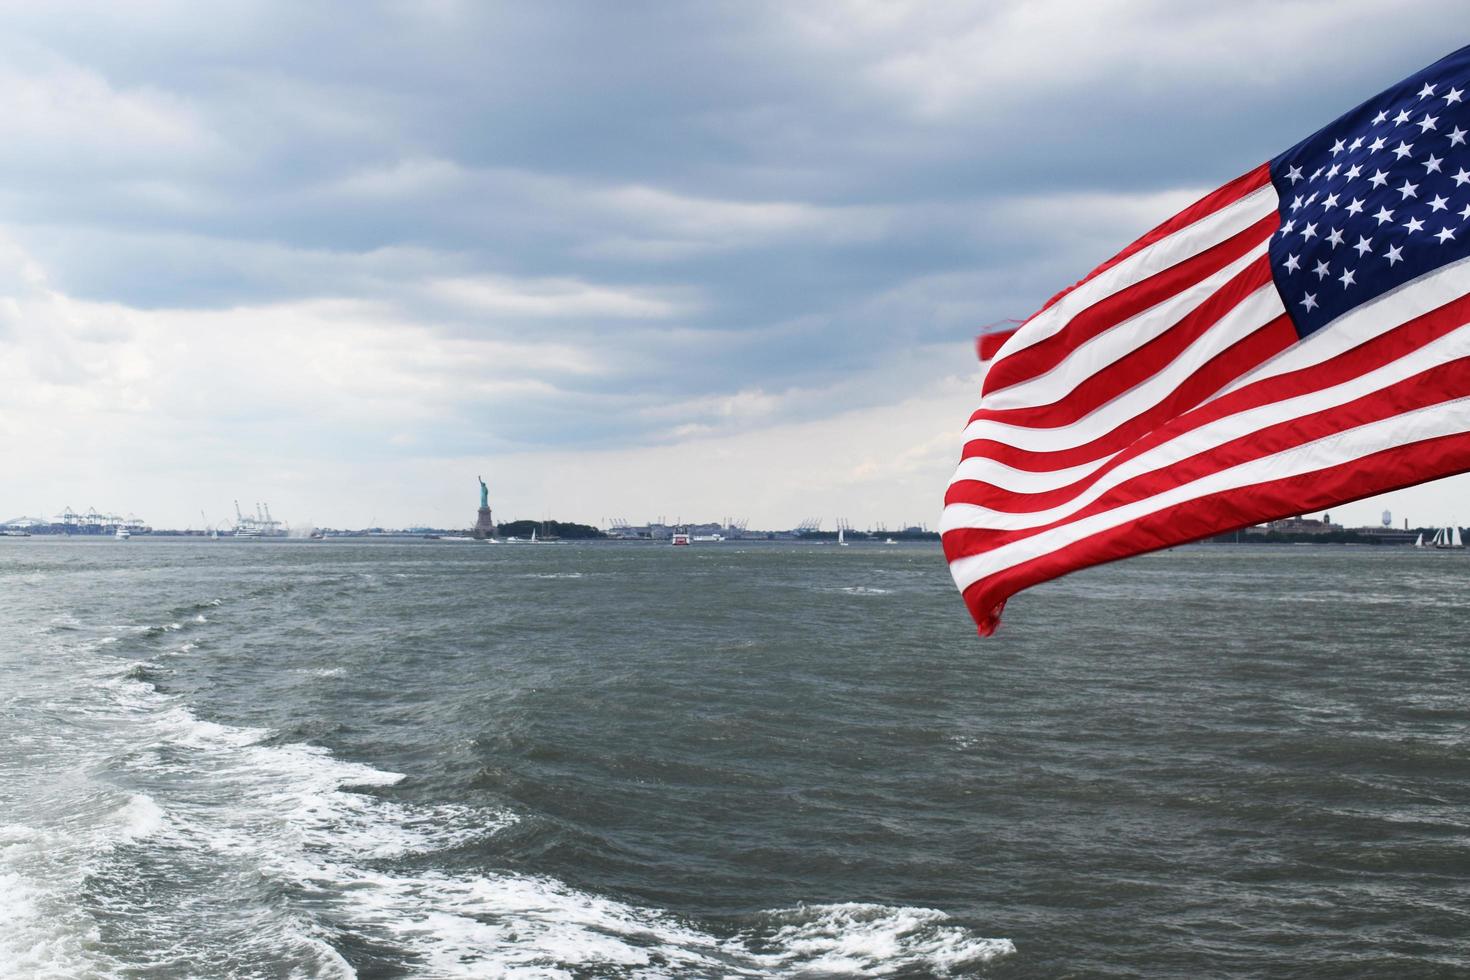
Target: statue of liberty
<point>484,493</point>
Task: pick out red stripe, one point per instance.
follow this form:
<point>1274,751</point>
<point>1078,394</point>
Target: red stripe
<point>1219,371</point>
<point>1216,200</point>
<point>1146,431</point>
<point>1441,383</point>
<point>1391,469</point>
<point>986,345</point>
<point>1113,309</point>
<point>1141,363</point>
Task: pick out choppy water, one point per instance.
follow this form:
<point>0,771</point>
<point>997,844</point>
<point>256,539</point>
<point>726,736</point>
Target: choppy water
<point>440,760</point>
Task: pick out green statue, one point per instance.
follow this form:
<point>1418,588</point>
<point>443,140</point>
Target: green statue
<point>484,493</point>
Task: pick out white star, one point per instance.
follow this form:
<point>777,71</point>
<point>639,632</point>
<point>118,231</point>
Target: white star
<point>1432,164</point>
<point>1338,147</point>
<point>1353,171</point>
<point>1402,150</point>
<point>1402,117</point>
<point>1315,174</point>
<point>1364,246</point>
<point>1332,171</point>
<point>1294,174</point>
<point>1409,190</point>
<point>1438,203</point>
<point>1426,91</point>
<point>1335,238</point>
<point>1287,227</point>
<point>1394,254</point>
<point>1355,206</point>
<point>1462,178</point>
<point>1445,235</point>
<point>1378,119</point>
<point>1384,214</point>
<point>1309,231</point>
<point>1309,300</point>
<point>1465,213</point>
<point>1346,278</point>
<point>1453,95</point>
<point>1330,201</point>
<point>1355,144</point>
<point>1321,270</point>
<point>1457,136</point>
<point>1378,179</point>
<point>1413,224</point>
<point>1311,197</point>
<point>1292,263</point>
<point>1427,123</point>
<point>1296,205</point>
<point>1377,145</point>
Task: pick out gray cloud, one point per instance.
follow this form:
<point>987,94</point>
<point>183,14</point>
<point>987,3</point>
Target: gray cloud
<point>553,226</point>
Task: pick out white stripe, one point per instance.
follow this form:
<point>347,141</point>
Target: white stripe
<point>1444,419</point>
<point>1118,341</point>
<point>1253,312</point>
<point>1447,348</point>
<point>998,474</point>
<point>1190,240</point>
<point>1361,324</point>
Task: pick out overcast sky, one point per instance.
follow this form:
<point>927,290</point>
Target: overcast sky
<point>695,260</point>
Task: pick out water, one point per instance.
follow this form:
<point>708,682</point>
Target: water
<point>441,760</point>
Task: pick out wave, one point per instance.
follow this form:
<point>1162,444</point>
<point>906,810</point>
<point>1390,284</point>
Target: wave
<point>232,853</point>
<point>856,939</point>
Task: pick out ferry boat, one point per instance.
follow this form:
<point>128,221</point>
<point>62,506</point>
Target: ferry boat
<point>122,534</point>
<point>681,537</point>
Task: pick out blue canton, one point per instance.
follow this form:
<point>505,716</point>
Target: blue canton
<point>1377,198</point>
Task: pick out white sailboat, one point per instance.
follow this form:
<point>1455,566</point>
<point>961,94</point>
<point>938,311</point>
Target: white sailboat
<point>840,542</point>
<point>1447,537</point>
<point>1419,541</point>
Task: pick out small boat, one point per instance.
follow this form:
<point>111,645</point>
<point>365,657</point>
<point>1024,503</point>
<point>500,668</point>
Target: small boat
<point>122,534</point>
<point>889,541</point>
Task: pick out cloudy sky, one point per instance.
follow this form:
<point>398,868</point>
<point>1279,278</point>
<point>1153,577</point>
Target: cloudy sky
<point>623,259</point>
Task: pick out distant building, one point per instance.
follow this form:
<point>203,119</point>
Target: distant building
<point>1297,525</point>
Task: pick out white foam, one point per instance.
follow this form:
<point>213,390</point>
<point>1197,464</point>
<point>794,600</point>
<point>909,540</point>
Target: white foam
<point>858,939</point>
<point>225,805</point>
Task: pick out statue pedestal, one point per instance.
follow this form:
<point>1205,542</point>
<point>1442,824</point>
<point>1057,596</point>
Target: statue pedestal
<point>484,525</point>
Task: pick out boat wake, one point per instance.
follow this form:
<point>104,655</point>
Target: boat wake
<point>196,848</point>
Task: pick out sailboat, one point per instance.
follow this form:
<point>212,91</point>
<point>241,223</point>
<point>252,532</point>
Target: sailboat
<point>840,542</point>
<point>1448,537</point>
<point>533,535</point>
<point>1419,541</point>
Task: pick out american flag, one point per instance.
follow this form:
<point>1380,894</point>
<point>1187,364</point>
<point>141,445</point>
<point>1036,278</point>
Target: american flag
<point>1297,339</point>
